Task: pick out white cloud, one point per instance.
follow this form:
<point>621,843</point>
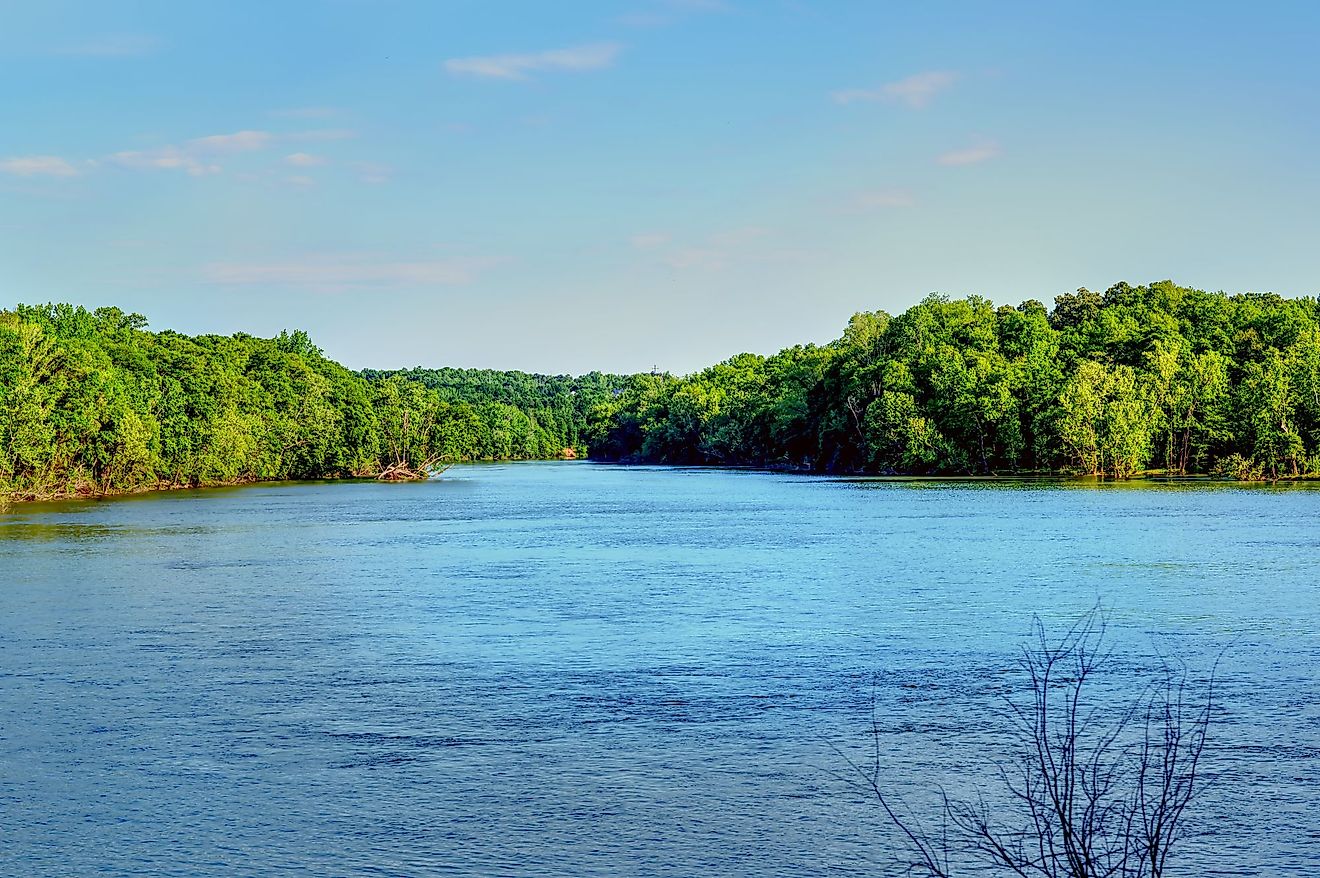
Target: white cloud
<point>305,160</point>
<point>38,166</point>
<point>333,274</point>
<point>239,141</point>
<point>972,155</point>
<point>300,181</point>
<point>575,59</point>
<point>198,156</point>
<point>916,91</point>
<point>166,158</point>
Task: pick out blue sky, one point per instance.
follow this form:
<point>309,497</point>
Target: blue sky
<point>561,187</point>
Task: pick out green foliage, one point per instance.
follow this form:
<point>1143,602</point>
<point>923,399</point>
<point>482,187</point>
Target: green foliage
<point>1113,384</point>
<point>1137,378</point>
<point>493,415</point>
<point>91,402</point>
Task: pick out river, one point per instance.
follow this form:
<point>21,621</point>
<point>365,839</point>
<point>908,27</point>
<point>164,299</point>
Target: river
<point>572,669</point>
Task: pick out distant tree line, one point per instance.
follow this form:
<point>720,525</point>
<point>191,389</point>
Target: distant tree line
<point>1137,378</point>
<point>91,402</point>
<point>535,416</point>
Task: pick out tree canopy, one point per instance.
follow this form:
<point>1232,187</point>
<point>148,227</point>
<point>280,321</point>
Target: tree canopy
<point>92,402</point>
<point>1139,378</point>
<point>1135,379</point>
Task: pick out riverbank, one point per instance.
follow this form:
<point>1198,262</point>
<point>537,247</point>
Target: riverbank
<point>1241,476</point>
<point>89,491</point>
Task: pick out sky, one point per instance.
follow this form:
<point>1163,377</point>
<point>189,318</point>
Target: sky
<point>563,187</point>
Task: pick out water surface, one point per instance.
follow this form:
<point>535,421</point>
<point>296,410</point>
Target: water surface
<point>567,669</point>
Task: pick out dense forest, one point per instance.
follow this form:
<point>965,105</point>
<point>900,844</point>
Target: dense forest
<point>542,412</point>
<point>1137,378</point>
<point>91,402</point>
<point>1132,380</point>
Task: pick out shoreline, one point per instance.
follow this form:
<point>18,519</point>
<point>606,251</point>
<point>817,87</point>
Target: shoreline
<point>85,493</point>
<point>82,493</point>
<point>1153,475</point>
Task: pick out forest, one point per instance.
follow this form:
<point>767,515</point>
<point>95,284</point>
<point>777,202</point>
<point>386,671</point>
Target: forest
<point>1126,382</point>
<point>91,402</point>
<point>1135,380</point>
<point>551,411</point>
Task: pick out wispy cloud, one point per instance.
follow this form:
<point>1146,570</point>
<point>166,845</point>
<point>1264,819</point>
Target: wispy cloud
<point>916,91</point>
<point>305,160</point>
<point>716,252</point>
<point>38,166</point>
<point>200,156</point>
<point>112,46</point>
<point>196,157</point>
<point>972,155</point>
<point>165,158</point>
<point>575,59</point>
<point>239,141</point>
<point>334,274</point>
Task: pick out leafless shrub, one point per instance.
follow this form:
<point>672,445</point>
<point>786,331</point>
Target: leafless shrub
<point>1091,791</point>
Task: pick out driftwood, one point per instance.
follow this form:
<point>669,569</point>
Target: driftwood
<point>401,471</point>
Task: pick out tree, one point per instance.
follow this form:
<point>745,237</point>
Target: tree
<point>1093,789</point>
<point>1267,408</point>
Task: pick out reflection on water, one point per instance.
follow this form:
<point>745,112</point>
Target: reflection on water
<point>576,670</point>
<point>47,531</point>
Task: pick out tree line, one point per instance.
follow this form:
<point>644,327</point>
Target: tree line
<point>92,402</point>
<point>1138,378</point>
<point>547,412</point>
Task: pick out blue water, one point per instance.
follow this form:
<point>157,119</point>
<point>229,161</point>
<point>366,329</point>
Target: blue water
<point>568,669</point>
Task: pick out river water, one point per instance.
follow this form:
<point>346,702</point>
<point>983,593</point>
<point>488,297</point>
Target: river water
<point>570,669</point>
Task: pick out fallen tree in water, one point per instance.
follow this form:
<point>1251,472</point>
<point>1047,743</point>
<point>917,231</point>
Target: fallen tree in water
<point>402,472</point>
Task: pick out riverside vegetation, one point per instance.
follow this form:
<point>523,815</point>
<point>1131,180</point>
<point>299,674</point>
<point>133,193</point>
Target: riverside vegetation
<point>1137,378</point>
<point>91,403</point>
